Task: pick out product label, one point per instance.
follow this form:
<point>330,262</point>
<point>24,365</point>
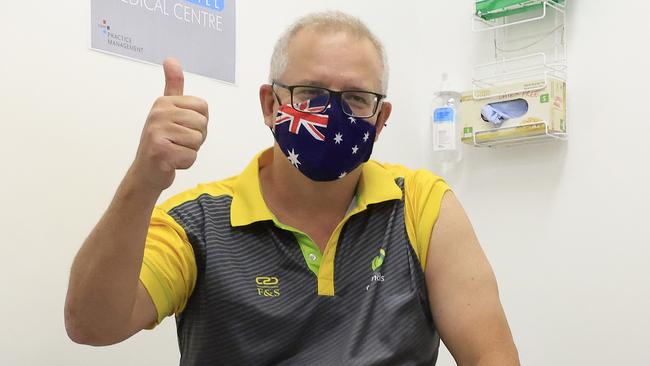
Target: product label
<point>441,115</point>
<point>444,129</point>
<point>543,98</point>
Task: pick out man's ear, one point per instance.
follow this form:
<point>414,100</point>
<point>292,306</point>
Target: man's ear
<point>382,117</point>
<point>267,102</point>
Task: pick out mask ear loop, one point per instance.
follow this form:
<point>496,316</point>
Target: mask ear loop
<point>381,104</point>
<point>279,105</point>
<point>276,97</point>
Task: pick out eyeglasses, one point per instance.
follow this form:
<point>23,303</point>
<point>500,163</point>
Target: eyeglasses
<point>314,99</point>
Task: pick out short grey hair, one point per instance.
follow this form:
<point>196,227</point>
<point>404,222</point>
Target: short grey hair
<point>332,21</point>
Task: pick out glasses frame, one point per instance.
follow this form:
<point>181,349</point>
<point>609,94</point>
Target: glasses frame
<point>332,93</point>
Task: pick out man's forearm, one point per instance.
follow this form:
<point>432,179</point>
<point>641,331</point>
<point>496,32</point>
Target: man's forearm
<point>105,272</point>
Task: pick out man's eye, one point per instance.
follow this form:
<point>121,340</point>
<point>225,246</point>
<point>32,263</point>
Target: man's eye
<point>357,99</point>
<point>308,93</point>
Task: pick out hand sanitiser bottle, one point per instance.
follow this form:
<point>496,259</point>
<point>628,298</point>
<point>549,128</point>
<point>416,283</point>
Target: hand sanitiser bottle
<point>447,150</point>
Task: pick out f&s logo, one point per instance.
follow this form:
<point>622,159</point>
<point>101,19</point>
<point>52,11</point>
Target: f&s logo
<point>268,286</point>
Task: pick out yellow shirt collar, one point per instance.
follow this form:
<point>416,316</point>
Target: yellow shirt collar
<point>376,185</point>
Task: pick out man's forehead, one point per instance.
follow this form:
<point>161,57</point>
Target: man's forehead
<point>315,56</point>
<point>331,35</point>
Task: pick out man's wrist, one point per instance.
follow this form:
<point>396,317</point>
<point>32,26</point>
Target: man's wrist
<point>135,189</point>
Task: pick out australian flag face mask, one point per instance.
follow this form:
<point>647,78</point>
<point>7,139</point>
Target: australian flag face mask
<point>324,146</point>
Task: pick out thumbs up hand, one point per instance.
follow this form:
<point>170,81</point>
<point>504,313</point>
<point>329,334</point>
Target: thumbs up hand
<point>173,133</point>
<point>174,78</point>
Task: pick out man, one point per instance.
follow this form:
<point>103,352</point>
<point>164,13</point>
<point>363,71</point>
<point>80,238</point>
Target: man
<point>311,256</point>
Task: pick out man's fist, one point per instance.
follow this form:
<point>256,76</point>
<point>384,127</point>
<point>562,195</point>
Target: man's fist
<point>175,130</point>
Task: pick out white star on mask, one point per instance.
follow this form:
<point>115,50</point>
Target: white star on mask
<point>338,138</point>
<point>352,120</point>
<point>355,149</point>
<point>293,158</point>
<point>366,136</point>
<point>343,175</point>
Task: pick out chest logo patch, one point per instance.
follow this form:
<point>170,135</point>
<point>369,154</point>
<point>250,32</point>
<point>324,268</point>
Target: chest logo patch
<point>378,260</point>
<point>268,286</point>
<point>375,265</point>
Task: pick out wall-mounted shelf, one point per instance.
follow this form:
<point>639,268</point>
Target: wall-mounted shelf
<point>493,14</point>
<point>535,132</point>
<point>528,53</point>
<point>496,78</point>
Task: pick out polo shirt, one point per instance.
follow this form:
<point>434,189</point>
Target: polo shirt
<point>247,289</point>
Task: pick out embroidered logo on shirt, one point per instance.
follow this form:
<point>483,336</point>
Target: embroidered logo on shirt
<point>375,265</point>
<point>378,260</point>
<point>268,286</point>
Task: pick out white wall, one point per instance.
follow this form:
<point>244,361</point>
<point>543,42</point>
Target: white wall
<point>565,226</point>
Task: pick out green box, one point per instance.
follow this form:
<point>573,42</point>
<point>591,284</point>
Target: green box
<point>493,9</point>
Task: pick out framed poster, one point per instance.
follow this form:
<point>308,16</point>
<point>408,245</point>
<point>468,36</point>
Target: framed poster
<point>199,33</point>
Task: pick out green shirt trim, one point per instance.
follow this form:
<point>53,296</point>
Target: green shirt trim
<point>308,247</point>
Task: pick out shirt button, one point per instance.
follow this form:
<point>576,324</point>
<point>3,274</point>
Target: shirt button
<point>312,256</point>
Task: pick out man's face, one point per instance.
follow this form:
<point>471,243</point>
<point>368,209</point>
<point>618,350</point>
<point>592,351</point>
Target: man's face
<point>337,61</point>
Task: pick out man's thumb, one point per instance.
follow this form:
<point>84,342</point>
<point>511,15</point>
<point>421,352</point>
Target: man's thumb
<point>173,77</point>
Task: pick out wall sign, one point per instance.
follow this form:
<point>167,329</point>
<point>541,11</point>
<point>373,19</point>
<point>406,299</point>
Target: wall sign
<point>199,33</point>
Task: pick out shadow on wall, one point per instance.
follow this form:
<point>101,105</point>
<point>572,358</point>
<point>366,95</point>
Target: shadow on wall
<point>507,177</point>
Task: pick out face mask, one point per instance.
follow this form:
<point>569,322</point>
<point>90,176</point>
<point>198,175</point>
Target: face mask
<point>324,146</point>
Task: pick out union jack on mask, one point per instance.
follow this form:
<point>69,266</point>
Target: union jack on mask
<point>323,146</point>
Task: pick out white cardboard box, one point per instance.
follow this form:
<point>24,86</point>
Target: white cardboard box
<point>546,113</point>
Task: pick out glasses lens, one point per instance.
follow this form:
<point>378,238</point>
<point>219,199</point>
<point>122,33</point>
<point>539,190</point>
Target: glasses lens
<point>359,104</point>
<point>310,99</point>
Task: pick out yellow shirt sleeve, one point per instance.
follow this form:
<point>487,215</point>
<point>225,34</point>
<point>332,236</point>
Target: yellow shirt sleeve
<point>423,193</point>
<point>168,267</point>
